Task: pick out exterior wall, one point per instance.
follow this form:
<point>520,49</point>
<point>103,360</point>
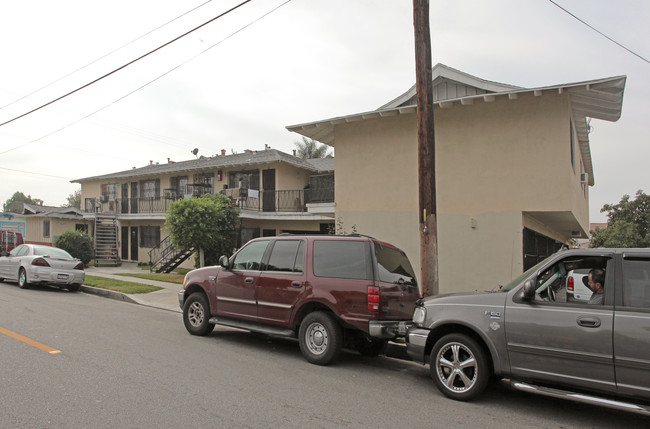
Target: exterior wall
<point>494,161</point>
<point>34,228</point>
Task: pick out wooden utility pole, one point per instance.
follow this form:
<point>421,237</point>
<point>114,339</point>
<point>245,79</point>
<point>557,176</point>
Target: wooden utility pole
<point>426,151</point>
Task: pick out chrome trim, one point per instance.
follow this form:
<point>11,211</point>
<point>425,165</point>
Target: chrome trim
<point>580,397</point>
<point>274,304</point>
<point>240,301</point>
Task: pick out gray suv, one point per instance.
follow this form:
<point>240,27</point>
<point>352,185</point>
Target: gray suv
<point>530,333</point>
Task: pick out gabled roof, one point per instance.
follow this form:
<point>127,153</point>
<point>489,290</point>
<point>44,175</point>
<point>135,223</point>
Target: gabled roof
<point>599,99</point>
<point>210,163</point>
<point>51,211</point>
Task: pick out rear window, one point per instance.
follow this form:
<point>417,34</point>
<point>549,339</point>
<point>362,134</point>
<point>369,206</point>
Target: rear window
<point>393,265</point>
<point>341,259</point>
<point>53,252</point>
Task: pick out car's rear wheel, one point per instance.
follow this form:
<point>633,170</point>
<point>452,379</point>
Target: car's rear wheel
<point>74,288</point>
<point>320,338</point>
<point>196,315</point>
<point>459,367</point>
<point>22,279</point>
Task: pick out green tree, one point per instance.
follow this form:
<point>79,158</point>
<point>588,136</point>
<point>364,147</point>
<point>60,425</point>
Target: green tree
<point>309,149</point>
<point>15,203</point>
<point>628,223</point>
<point>76,243</point>
<point>209,222</point>
<point>74,199</point>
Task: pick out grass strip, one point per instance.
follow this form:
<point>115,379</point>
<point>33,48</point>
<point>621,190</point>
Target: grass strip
<point>119,285</point>
<point>161,277</point>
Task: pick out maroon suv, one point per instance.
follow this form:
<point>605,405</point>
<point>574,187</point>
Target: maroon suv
<point>329,291</point>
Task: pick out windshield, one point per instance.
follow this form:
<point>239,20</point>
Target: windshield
<point>520,278</point>
<point>393,265</point>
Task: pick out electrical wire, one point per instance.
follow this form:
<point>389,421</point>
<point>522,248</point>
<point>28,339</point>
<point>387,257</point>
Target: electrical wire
<point>104,56</point>
<point>148,83</point>
<point>36,174</point>
<point>127,64</point>
<point>601,33</point>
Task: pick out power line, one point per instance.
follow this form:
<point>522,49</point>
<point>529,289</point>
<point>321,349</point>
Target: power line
<point>127,64</point>
<point>35,174</point>
<point>148,83</point>
<point>600,32</point>
<point>104,56</point>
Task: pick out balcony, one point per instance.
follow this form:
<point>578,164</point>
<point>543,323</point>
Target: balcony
<point>248,200</point>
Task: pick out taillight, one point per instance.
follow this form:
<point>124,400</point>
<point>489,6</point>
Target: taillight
<point>40,262</point>
<point>373,298</point>
<point>79,266</point>
<point>569,284</point>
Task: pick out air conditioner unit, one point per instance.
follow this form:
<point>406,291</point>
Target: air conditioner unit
<point>584,178</point>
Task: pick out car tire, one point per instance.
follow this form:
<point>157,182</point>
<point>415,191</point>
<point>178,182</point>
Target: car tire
<point>74,288</point>
<point>22,279</point>
<point>370,347</point>
<point>196,315</point>
<point>459,367</point>
<point>320,337</point>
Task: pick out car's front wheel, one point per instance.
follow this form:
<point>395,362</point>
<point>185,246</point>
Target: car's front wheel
<point>196,315</point>
<point>22,279</point>
<point>459,367</point>
<point>320,338</point>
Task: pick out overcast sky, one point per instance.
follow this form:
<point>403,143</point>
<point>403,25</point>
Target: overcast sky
<point>306,61</point>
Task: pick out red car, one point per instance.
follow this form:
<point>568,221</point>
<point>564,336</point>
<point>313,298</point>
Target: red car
<point>329,291</point>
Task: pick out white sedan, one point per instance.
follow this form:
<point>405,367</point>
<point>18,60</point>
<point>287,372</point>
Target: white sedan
<point>30,264</point>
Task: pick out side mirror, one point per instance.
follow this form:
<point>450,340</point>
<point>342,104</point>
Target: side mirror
<point>224,262</point>
<point>529,290</point>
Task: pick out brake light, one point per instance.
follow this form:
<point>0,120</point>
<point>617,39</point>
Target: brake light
<point>373,298</point>
<point>40,262</point>
<point>569,284</point>
<point>79,266</point>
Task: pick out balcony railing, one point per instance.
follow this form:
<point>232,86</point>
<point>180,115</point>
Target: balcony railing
<point>246,199</point>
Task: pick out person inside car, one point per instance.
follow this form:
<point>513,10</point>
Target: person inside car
<point>596,282</point>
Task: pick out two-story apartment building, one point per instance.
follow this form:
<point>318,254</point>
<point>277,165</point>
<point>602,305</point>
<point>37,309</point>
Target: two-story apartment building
<point>513,170</point>
<point>275,192</point>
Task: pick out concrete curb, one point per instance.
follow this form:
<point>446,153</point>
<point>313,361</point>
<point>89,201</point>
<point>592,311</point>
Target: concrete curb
<point>106,293</point>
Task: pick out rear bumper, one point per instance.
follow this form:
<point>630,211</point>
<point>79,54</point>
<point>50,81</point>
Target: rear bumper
<point>387,330</point>
<point>56,277</point>
<point>416,342</point>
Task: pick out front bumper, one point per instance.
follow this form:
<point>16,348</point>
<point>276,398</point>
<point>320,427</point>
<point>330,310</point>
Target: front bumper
<point>387,330</point>
<point>416,343</point>
<point>181,298</point>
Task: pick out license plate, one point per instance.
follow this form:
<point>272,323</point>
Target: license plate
<point>62,276</point>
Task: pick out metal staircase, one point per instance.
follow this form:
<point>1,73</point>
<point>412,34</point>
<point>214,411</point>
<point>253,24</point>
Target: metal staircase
<point>106,241</point>
<point>165,258</point>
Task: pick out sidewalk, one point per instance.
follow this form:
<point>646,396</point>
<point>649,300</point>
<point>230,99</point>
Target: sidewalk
<point>166,298</point>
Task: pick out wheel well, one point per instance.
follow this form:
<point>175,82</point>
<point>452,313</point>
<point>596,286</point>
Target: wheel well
<point>308,308</point>
<point>193,289</point>
<point>443,330</point>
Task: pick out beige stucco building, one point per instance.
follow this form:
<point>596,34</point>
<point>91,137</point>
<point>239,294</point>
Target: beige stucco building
<point>275,192</point>
<point>513,170</point>
<point>43,224</point>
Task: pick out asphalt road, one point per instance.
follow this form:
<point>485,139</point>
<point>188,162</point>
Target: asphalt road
<point>120,365</point>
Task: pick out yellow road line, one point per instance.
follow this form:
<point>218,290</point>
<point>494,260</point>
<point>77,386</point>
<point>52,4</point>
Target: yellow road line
<point>31,342</point>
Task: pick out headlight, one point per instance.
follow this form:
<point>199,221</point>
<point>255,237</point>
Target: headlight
<point>419,315</point>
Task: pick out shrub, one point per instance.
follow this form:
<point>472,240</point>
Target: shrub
<point>76,243</point>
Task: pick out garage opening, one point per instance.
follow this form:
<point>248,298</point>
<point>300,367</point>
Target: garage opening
<point>537,247</point>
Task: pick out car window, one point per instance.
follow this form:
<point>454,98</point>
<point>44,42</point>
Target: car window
<point>20,251</point>
<point>341,259</point>
<point>636,282</point>
<point>565,281</point>
<point>393,265</point>
<point>53,252</point>
<point>250,256</point>
<point>286,256</point>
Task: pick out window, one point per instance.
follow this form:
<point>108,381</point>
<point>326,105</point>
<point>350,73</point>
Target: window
<point>250,256</point>
<point>109,192</point>
<point>287,256</point>
<point>149,236</point>
<point>636,282</point>
<point>46,228</point>
<point>81,227</point>
<point>179,185</point>
<point>394,266</point>
<point>341,259</point>
<point>249,179</point>
<point>150,188</point>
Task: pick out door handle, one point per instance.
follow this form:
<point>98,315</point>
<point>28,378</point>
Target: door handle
<point>588,322</point>
<point>248,280</point>
<point>296,284</point>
